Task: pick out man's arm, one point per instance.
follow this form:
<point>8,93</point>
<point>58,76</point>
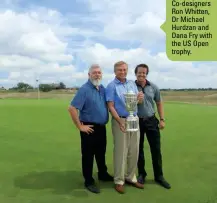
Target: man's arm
<point>77,104</point>
<point>113,111</point>
<point>75,118</point>
<point>159,103</point>
<point>74,115</point>
<point>160,109</point>
<point>116,116</point>
<point>110,97</point>
<point>140,95</point>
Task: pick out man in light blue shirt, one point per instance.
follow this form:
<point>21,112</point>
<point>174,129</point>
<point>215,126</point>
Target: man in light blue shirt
<point>115,92</point>
<point>126,145</point>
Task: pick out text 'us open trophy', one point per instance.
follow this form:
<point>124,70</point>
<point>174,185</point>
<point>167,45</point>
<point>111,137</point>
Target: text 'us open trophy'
<point>132,122</point>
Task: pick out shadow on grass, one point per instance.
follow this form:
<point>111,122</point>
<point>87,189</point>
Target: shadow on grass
<point>150,182</point>
<point>60,182</point>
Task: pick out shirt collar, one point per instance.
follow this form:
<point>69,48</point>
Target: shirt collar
<point>147,83</point>
<point>119,82</point>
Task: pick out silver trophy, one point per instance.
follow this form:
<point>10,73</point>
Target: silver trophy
<point>132,122</point>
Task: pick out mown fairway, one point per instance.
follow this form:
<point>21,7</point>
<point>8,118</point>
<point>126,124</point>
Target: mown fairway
<point>40,160</point>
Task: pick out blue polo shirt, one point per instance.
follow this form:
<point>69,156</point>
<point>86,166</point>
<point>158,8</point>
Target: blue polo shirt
<point>91,104</point>
<point>115,92</point>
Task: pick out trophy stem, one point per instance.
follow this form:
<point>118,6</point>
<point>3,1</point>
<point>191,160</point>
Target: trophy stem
<point>131,113</point>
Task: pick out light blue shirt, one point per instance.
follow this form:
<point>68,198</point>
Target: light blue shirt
<point>115,92</point>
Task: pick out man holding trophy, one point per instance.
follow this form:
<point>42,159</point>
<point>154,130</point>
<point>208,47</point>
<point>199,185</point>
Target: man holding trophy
<point>150,125</point>
<point>122,97</point>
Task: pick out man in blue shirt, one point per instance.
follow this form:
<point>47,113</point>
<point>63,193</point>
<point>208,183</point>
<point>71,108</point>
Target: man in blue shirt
<point>150,125</point>
<point>126,144</point>
<point>90,101</point>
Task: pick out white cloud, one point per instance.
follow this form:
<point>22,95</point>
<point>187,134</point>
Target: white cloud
<point>131,20</point>
<point>31,45</point>
<point>24,34</point>
<point>46,73</point>
<point>163,72</point>
<point>41,42</point>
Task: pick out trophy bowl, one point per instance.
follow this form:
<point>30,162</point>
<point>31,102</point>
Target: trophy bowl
<point>132,124</point>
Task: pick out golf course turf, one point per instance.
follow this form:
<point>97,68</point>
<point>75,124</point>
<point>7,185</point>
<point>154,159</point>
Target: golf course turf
<point>40,158</point>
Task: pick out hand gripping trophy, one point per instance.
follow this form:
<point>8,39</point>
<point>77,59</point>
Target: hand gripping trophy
<point>132,122</point>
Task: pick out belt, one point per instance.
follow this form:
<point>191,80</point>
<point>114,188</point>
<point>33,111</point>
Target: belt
<point>91,123</point>
<point>123,116</point>
<point>146,118</point>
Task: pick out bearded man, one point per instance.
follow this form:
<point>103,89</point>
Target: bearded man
<point>91,102</point>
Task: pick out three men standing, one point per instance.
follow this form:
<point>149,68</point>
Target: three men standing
<point>93,101</point>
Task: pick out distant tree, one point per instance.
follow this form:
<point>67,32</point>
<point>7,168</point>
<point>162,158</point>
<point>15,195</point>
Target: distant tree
<point>45,87</point>
<point>23,87</point>
<point>62,85</point>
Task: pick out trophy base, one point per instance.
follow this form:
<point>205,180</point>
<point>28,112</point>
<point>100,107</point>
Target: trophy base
<point>132,130</point>
<point>132,124</point>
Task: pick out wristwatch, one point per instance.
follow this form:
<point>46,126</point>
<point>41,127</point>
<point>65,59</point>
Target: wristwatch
<point>162,119</point>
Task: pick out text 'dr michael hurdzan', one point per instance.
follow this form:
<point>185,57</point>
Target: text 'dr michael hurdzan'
<point>191,30</point>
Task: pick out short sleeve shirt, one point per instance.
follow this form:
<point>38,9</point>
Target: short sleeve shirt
<point>151,96</point>
<point>115,92</point>
<point>91,104</point>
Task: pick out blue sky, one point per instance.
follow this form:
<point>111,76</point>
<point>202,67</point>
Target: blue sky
<point>58,40</point>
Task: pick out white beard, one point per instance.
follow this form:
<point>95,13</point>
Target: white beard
<point>96,82</point>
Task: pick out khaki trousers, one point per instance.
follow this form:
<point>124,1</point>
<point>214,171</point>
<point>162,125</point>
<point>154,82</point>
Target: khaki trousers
<point>125,154</point>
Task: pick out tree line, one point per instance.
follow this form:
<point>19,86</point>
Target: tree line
<point>24,87</point>
<point>190,89</point>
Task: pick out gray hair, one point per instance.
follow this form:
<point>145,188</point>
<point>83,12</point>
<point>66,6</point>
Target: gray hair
<point>93,66</point>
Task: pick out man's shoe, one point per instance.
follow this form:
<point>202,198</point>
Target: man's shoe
<point>93,188</point>
<point>137,184</point>
<point>119,188</point>
<point>141,179</point>
<point>161,181</point>
<point>105,177</point>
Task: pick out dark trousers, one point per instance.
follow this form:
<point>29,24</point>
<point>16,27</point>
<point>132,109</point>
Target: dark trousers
<point>93,145</point>
<point>151,129</point>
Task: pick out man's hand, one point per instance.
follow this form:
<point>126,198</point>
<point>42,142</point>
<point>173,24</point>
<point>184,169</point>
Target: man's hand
<point>140,97</point>
<point>86,128</point>
<point>162,125</point>
<point>122,126</point>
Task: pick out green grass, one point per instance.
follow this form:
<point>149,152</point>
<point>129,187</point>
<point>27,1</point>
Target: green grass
<point>41,161</point>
